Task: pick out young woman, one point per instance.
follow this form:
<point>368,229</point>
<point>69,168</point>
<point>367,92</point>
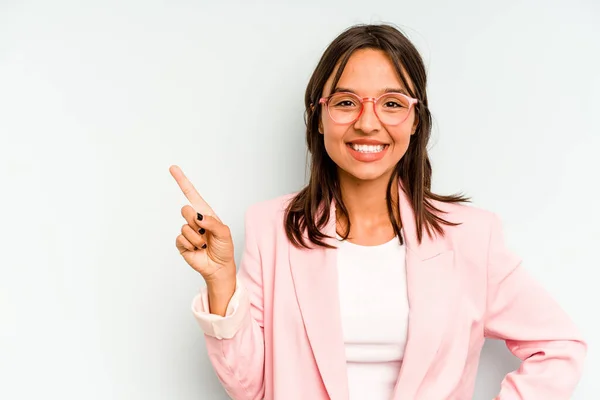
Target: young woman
<point>365,284</point>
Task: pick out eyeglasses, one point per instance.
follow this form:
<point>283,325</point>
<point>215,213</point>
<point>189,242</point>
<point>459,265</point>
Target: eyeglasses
<point>346,108</point>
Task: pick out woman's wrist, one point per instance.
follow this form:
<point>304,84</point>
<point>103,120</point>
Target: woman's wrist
<point>220,292</point>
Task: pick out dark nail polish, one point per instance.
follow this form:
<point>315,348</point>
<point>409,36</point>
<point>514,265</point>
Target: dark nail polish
<point>200,217</point>
<point>204,246</point>
<point>202,231</point>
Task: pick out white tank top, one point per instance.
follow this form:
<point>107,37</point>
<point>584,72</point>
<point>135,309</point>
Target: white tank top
<point>374,310</point>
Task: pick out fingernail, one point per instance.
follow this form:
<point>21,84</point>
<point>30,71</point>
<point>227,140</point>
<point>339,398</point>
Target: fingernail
<point>200,217</point>
<point>204,246</point>
<point>202,231</point>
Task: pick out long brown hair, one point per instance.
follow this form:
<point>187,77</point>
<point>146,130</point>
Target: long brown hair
<point>309,211</point>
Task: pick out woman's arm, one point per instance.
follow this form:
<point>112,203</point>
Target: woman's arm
<point>235,342</point>
<point>534,327</point>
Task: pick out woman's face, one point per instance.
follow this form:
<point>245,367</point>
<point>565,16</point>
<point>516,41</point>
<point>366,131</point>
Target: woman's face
<point>368,73</point>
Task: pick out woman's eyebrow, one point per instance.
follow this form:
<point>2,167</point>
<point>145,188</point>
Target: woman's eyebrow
<point>342,89</point>
<point>395,90</point>
<point>386,90</point>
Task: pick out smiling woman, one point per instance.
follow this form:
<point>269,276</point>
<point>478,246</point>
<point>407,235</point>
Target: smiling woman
<point>365,284</point>
<point>355,134</point>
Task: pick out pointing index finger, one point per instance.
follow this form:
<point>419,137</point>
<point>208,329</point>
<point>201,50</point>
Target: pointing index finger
<point>190,191</point>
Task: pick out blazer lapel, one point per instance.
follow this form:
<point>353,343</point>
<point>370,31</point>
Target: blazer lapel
<point>314,273</point>
<point>432,291</point>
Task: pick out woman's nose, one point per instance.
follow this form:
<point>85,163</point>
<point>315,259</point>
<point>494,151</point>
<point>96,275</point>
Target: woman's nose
<point>368,121</point>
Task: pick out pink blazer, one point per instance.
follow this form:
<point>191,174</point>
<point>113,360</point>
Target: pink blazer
<point>282,338</point>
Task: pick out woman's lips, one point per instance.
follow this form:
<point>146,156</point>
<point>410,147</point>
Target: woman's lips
<point>367,153</point>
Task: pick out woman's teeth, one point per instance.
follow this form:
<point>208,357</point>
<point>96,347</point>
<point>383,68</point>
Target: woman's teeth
<point>368,148</point>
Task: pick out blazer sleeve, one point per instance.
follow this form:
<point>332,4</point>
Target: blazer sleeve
<point>235,342</point>
<point>533,326</point>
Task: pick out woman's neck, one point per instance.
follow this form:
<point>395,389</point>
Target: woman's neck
<point>367,209</point>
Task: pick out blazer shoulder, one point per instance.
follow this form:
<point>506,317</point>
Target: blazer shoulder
<point>472,220</point>
<point>479,237</point>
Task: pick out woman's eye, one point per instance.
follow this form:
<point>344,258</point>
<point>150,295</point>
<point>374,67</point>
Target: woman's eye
<point>393,104</point>
<point>344,103</point>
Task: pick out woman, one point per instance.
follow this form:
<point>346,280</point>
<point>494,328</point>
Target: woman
<point>365,284</point>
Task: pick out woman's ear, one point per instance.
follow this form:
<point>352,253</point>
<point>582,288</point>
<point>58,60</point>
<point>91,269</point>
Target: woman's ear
<point>415,125</point>
<point>320,126</point>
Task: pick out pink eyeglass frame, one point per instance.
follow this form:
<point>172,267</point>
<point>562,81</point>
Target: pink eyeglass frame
<point>362,100</point>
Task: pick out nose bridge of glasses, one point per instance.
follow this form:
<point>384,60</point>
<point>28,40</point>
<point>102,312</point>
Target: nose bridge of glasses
<point>368,115</point>
<point>373,101</point>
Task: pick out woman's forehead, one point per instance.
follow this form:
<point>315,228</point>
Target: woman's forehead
<point>367,72</point>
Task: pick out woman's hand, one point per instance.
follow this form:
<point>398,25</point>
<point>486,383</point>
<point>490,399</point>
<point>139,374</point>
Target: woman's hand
<point>205,242</point>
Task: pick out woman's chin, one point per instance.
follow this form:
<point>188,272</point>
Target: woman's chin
<point>367,174</point>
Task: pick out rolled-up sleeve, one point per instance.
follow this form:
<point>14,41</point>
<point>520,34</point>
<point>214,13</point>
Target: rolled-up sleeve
<point>221,327</point>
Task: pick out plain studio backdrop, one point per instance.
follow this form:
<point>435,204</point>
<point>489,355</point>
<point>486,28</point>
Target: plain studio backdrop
<point>98,99</point>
